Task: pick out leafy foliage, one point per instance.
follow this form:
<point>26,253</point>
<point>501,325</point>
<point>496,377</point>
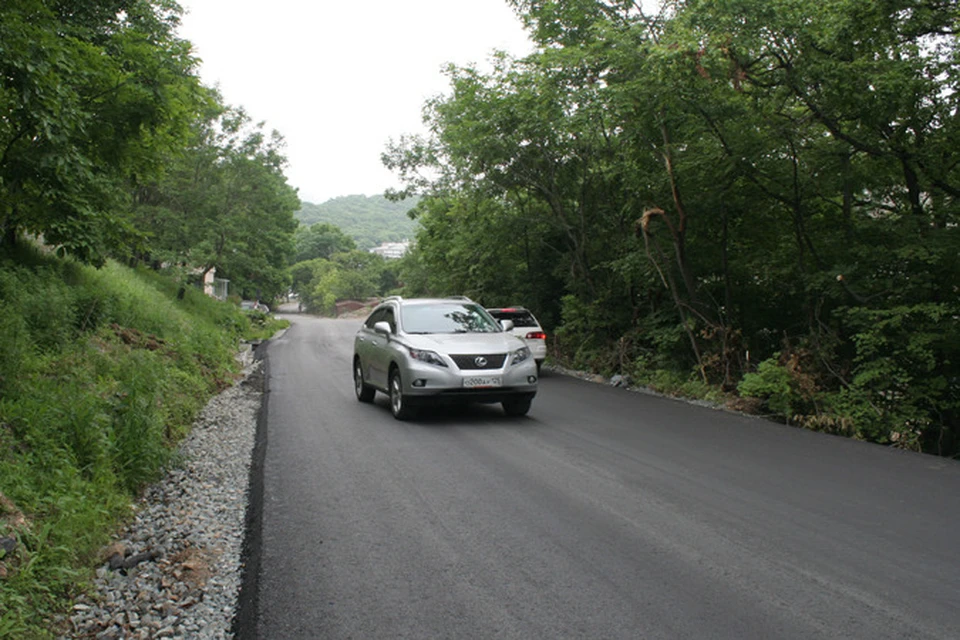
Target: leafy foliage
<point>714,185</point>
<point>464,245</point>
<point>321,240</point>
<point>224,204</point>
<point>348,275</point>
<point>774,384</point>
<point>95,98</point>
<point>111,147</point>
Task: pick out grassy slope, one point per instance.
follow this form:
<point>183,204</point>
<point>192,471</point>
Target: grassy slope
<point>101,374</point>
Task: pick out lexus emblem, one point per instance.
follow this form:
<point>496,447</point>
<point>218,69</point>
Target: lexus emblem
<point>480,361</point>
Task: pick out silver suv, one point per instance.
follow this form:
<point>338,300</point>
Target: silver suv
<point>429,350</point>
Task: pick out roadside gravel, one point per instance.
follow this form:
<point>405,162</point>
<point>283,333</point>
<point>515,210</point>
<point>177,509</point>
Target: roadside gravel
<point>175,572</point>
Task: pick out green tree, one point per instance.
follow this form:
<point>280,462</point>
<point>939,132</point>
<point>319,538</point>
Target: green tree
<point>491,250</point>
<point>225,203</point>
<point>855,102</point>
<point>721,184</point>
<point>361,275</point>
<point>95,95</point>
<point>320,240</point>
<point>348,275</point>
<point>304,277</point>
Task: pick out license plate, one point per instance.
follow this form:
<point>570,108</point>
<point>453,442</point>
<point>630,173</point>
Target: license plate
<point>481,382</point>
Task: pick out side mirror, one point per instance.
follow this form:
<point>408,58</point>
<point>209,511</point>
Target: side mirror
<point>506,324</point>
<point>382,327</point>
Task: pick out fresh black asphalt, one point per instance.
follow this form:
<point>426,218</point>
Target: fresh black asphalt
<point>605,513</point>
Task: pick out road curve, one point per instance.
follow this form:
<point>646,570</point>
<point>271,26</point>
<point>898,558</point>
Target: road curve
<point>605,513</point>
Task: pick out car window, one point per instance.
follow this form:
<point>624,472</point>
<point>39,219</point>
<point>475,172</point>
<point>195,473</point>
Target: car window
<point>374,318</point>
<point>447,317</point>
<point>389,318</point>
<point>519,318</point>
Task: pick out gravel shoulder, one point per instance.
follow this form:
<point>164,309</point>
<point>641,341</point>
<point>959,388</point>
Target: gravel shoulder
<point>176,570</point>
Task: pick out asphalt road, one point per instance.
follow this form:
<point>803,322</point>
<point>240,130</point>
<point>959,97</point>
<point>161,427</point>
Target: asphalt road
<point>603,514</point>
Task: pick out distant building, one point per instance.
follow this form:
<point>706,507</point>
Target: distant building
<point>392,250</point>
<point>212,285</point>
<point>209,282</point>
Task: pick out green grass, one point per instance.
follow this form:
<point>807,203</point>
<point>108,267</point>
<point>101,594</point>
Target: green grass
<point>101,375</point>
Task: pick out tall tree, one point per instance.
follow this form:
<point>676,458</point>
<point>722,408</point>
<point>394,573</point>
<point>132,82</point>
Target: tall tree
<point>225,203</point>
<point>723,183</point>
<point>95,94</point>
<point>321,240</point>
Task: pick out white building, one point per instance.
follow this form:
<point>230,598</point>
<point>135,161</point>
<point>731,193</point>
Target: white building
<point>392,250</point>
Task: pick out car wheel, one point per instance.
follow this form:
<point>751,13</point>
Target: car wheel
<point>517,407</point>
<point>398,405</point>
<point>364,391</point>
<point>539,364</point>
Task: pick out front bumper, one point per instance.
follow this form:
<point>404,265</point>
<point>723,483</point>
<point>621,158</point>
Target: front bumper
<point>423,382</point>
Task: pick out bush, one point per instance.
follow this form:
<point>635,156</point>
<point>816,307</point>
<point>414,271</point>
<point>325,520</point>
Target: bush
<point>904,384</point>
<point>775,386</point>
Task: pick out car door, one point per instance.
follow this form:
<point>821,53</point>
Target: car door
<point>369,345</point>
<point>382,350</point>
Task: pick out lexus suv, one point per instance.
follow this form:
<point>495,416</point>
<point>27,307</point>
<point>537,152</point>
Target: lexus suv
<point>438,350</point>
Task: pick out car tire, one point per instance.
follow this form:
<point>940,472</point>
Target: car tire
<point>517,407</point>
<point>398,404</point>
<point>364,391</point>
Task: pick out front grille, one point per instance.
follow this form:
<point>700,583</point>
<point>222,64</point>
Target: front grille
<point>487,361</point>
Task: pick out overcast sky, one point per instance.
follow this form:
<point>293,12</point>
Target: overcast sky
<point>338,79</point>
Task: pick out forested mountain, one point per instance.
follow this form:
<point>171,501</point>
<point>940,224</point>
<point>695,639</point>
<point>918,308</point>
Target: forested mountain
<point>369,220</point>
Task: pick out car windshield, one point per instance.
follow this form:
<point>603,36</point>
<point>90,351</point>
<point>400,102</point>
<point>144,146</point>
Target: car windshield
<point>447,317</point>
<point>519,318</point>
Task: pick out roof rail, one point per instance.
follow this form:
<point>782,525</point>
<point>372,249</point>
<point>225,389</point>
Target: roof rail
<point>397,298</point>
<point>459,298</point>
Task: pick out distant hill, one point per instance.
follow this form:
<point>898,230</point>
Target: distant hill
<point>369,220</point>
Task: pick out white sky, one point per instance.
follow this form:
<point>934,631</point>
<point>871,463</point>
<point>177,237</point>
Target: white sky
<point>339,78</point>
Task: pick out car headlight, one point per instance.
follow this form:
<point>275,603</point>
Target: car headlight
<point>520,355</point>
<point>429,357</point>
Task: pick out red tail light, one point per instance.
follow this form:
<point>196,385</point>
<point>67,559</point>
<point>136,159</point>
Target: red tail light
<point>536,335</point>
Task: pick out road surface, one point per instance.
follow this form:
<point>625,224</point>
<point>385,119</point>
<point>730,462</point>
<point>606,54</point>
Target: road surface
<point>604,513</point>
